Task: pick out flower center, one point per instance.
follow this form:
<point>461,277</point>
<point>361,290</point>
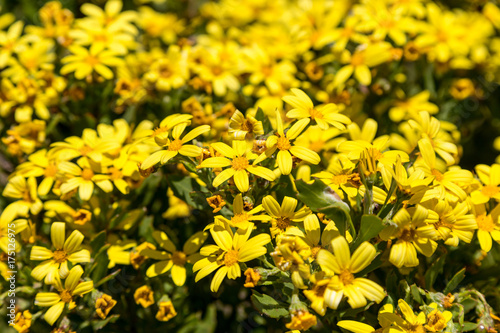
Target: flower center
<point>282,223</point>
<point>485,222</point>
<point>85,150</point>
<point>437,175</point>
<point>239,218</point>
<point>240,163</point>
<point>357,59</point>
<point>179,258</point>
<point>315,250</point>
<point>407,235</point>
<point>115,173</point>
<point>175,145</point>
<point>346,277</point>
<point>340,179</point>
<point>247,126</point>
<point>60,256</point>
<point>217,70</point>
<point>490,190</point>
<point>50,171</point>
<point>315,114</point>
<point>283,143</point>
<point>87,174</point>
<point>66,296</point>
<point>159,130</point>
<point>92,61</point>
<point>231,257</point>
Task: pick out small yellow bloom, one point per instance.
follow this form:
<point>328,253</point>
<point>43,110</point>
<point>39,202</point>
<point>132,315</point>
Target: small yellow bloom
<point>302,320</point>
<point>55,264</point>
<point>325,115</point>
<point>238,158</point>
<point>241,127</point>
<point>283,216</point>
<point>172,258</point>
<point>103,305</point>
<point>243,219</point>
<point>22,323</point>
<point>252,278</point>
<point>216,202</point>
<point>287,148</point>
<point>144,296</point>
<point>166,311</point>
<point>230,249</point>
<point>437,320</point>
<point>65,295</point>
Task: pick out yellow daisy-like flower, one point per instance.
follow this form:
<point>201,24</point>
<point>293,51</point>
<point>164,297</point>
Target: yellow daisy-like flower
<point>231,249</point>
<point>325,115</point>
<point>25,190</point>
<point>177,146</point>
<point>410,238</point>
<point>284,215</point>
<point>344,283</point>
<point>241,127</point>
<point>55,264</point>
<point>65,295</point>
<point>243,219</point>
<point>172,258</point>
<point>488,226</point>
<point>86,61</point>
<point>340,176</point>
<point>22,323</point>
<point>238,159</point>
<point>283,142</point>
<point>449,223</point>
<point>6,228</point>
<point>83,178</point>
<point>490,177</point>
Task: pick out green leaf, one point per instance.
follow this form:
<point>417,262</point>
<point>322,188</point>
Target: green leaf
<point>98,241</point>
<point>100,266</point>
<point>268,305</point>
<point>266,124</point>
<point>469,326</point>
<point>182,187</point>
<point>128,219</point>
<point>416,293</point>
<point>433,272</point>
<point>146,228</point>
<point>370,227</point>
<point>321,199</point>
<point>99,324</point>
<point>454,282</point>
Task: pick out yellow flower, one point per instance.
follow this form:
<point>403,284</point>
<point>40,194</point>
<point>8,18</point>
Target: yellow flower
<point>83,179</point>
<point>166,311</point>
<point>325,115</point>
<point>172,258</point>
<point>120,253</point>
<point>216,202</point>
<point>302,320</point>
<point>6,228</point>
<point>252,278</point>
<point>39,164</point>
<point>437,320</point>
<point>177,146</point>
<point>169,72</point>
<point>22,323</point>
<point>448,184</point>
<point>340,177</point>
<point>144,296</point>
<point>449,223</point>
<point>242,219</point>
<point>411,107</point>
<point>238,158</point>
<point>241,127</point>
<point>411,322</point>
<point>10,41</point>
<point>19,188</point>
<point>55,264</point>
<point>177,207</point>
<point>284,215</point>
<point>488,227</point>
<point>65,295</point>
<point>230,250</point>
<point>103,305</point>
<point>344,283</point>
<point>283,142</point>
<point>84,62</point>
<point>490,177</point>
<point>410,238</point>
<point>360,62</point>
